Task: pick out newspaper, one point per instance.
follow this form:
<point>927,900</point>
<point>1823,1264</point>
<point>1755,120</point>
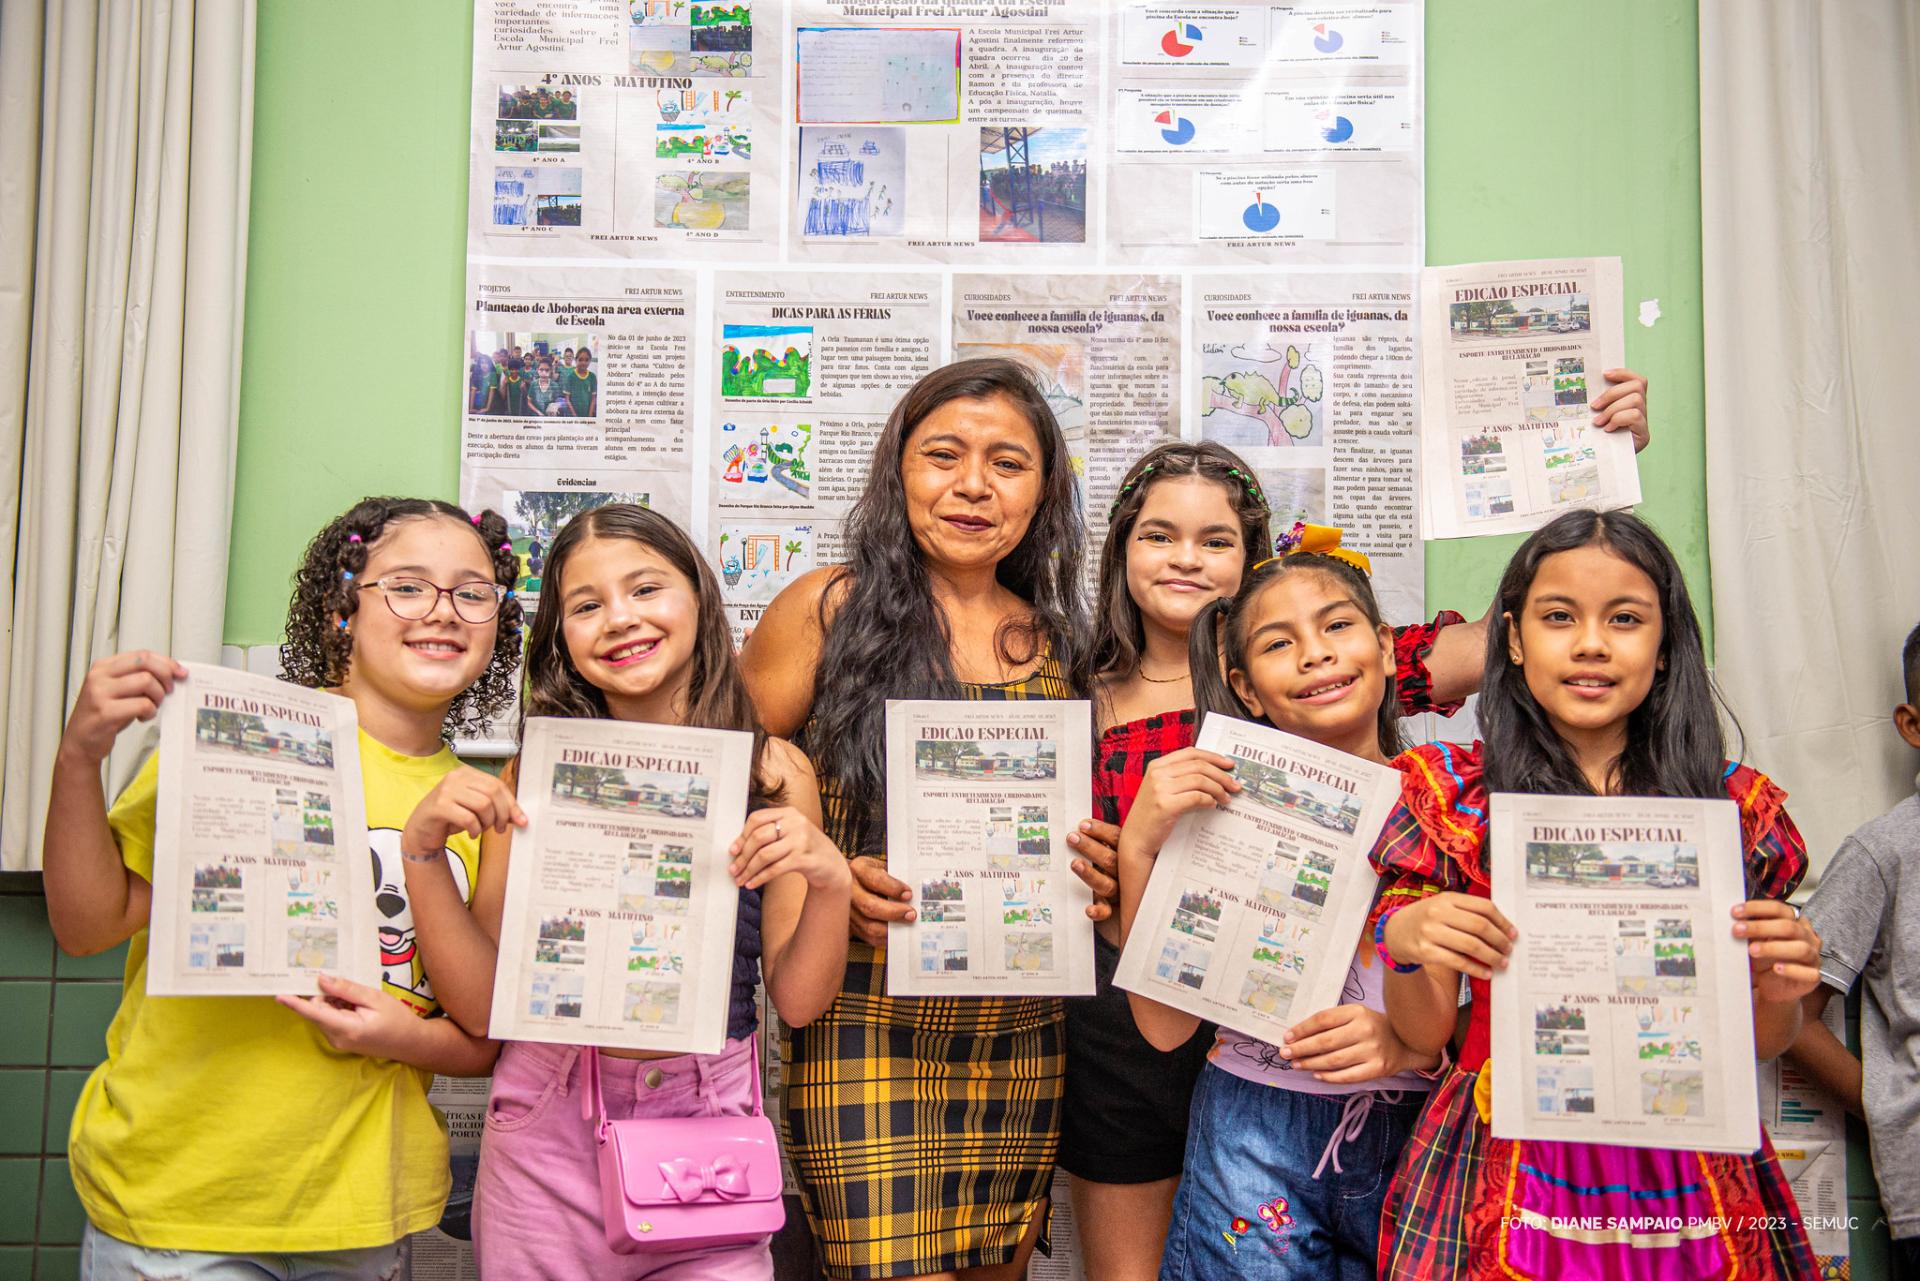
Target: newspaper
<point>618,924</point>
<point>1268,134</point>
<point>1809,1131</point>
<point>1625,1014</point>
<point>1254,908</point>
<point>980,798</point>
<point>609,129</point>
<point>808,367</point>
<point>602,410</point>
<point>444,1252</point>
<point>1104,349</point>
<point>1512,356</point>
<point>259,855</point>
<point>1310,378</point>
<point>945,131</point>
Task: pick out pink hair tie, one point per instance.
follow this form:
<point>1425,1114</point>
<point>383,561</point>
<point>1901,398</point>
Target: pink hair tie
<point>506,547</point>
<point>353,538</point>
<point>474,519</point>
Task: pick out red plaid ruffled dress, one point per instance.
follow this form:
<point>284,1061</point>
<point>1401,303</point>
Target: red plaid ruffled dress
<point>1457,1200</point>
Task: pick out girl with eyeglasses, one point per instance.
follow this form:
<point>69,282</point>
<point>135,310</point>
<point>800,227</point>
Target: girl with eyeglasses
<point>288,1133</point>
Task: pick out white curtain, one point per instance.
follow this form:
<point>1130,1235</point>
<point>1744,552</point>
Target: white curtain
<point>1810,217</point>
<point>125,141</point>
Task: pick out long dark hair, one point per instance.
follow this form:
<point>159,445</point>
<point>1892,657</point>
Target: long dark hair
<point>716,694</point>
<point>1118,633</point>
<point>318,650</point>
<point>1218,643</point>
<point>886,636</point>
<point>1674,742</point>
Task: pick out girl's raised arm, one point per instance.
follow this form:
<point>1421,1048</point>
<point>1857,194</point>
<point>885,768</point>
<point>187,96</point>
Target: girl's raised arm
<point>94,900</point>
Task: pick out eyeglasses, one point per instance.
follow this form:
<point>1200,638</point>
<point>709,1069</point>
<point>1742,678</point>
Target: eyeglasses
<point>415,598</point>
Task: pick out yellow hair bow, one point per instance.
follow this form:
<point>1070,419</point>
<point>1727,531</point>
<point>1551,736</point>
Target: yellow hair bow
<point>1321,540</point>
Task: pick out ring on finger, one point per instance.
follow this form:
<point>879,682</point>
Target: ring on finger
<point>777,833</point>
<point>1796,910</point>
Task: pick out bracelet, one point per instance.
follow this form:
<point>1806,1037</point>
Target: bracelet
<point>422,858</point>
<point>1380,942</point>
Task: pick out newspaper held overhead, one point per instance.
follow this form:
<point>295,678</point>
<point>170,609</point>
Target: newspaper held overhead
<point>1625,1013</point>
<point>259,854</point>
<point>807,368</point>
<point>608,130</point>
<point>1310,378</point>
<point>618,925</point>
<point>980,798</point>
<point>1512,356</point>
<point>1266,134</point>
<point>1254,908</point>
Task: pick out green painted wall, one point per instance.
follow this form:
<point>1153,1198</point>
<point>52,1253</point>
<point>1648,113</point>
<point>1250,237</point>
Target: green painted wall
<point>1552,129</point>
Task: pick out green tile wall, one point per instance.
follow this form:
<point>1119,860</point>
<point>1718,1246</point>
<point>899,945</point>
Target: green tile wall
<point>54,1010</point>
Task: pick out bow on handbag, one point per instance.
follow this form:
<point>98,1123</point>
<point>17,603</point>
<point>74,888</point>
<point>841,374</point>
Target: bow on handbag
<point>690,1180</point>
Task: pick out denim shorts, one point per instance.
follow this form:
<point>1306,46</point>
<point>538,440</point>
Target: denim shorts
<point>1282,1183</point>
<point>108,1258</point>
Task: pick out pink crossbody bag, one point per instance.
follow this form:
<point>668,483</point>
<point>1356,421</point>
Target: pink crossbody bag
<point>684,1183</point>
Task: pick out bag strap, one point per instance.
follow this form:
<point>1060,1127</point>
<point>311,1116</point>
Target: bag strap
<point>593,1105</point>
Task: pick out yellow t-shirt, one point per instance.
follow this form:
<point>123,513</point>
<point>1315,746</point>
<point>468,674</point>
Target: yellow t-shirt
<point>228,1124</point>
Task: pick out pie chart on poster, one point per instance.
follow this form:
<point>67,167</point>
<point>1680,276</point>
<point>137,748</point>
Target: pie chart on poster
<point>1172,45</point>
<point>1327,40</point>
<point>1339,131</point>
<point>1260,216</point>
<point>1177,130</point>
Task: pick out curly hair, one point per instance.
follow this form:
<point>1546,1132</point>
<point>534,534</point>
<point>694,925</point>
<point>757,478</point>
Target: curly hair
<point>319,648</point>
<point>889,637</point>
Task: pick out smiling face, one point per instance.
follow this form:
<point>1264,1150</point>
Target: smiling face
<point>416,665</point>
<point>629,621</point>
<point>1315,665</point>
<point>1185,550</point>
<point>1588,639</point>
<point>972,473</point>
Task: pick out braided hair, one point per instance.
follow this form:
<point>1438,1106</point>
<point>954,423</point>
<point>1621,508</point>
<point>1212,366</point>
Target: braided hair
<point>319,646</point>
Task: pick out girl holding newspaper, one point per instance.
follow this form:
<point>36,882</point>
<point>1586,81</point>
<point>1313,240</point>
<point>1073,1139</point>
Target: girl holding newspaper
<point>194,1145</point>
<point>1188,521</point>
<point>1304,650</point>
<point>1596,684</point>
<point>631,628</point>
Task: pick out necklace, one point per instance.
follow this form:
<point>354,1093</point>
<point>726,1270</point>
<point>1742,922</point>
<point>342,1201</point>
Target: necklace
<point>1141,668</point>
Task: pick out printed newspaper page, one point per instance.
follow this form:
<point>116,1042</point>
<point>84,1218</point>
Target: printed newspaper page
<point>578,392</point>
<point>1310,378</point>
<point>980,798</point>
<point>808,365</point>
<point>615,130</point>
<point>945,131</point>
<point>1255,908</point>
<point>259,854</point>
<point>1104,349</point>
<point>1625,1014</point>
<point>1512,356</point>
<point>1809,1131</point>
<point>1266,134</point>
<point>444,1252</point>
<point>619,916</point>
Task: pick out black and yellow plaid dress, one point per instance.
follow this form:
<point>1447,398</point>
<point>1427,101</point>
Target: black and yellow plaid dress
<point>923,1129</point>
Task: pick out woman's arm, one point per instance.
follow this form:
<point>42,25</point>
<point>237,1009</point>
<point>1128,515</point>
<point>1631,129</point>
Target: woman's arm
<point>781,659</point>
<point>94,901</point>
<point>457,946</point>
<point>808,888</point>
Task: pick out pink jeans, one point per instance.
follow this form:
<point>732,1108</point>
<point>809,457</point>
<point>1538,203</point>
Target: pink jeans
<point>536,1203</point>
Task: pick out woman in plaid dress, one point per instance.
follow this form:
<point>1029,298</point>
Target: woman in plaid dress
<point>923,1130</point>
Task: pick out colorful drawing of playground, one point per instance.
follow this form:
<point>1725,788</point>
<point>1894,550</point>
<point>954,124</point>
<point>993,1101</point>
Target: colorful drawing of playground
<point>750,367</point>
<point>777,453</point>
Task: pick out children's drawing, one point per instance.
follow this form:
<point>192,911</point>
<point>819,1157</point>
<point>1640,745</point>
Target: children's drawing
<point>853,182</point>
<point>766,360</point>
<point>700,201</point>
<point>1059,369</point>
<point>756,561</point>
<point>1260,394</point>
<point>543,196</point>
<point>720,44</point>
<point>708,125</point>
<point>772,458</point>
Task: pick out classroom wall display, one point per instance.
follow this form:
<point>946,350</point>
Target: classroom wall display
<point>720,239</point>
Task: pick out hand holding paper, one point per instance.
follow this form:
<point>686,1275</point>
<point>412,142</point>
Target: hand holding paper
<point>466,800</point>
<point>877,899</point>
<point>119,690</point>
